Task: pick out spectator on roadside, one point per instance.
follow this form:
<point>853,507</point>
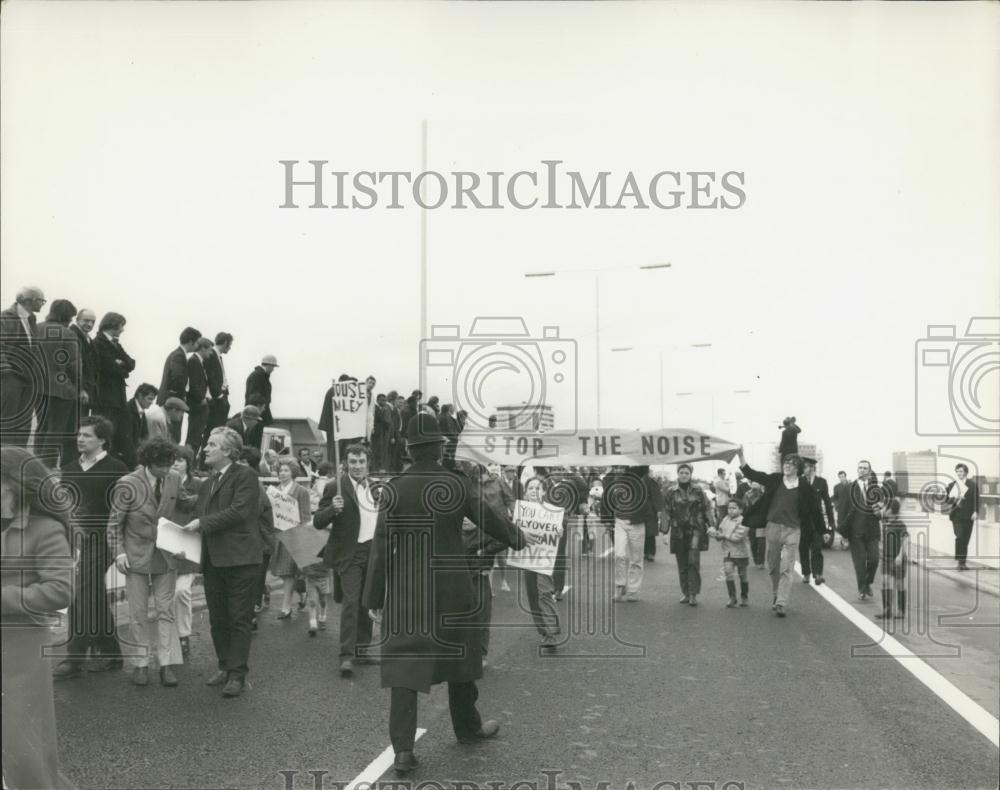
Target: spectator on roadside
<point>159,418</point>
<point>259,387</point>
<point>218,383</point>
<point>174,381</point>
<point>307,468</point>
<point>890,484</point>
<point>398,434</point>
<point>197,394</point>
<point>449,430</point>
<point>248,426</point>
<point>92,478</point>
<point>113,367</point>
<point>81,328</point>
<point>133,429</point>
<point>187,569</point>
<point>20,366</point>
<point>268,466</point>
<point>58,406</point>
<point>37,581</point>
<point>962,498</point>
<point>381,444</point>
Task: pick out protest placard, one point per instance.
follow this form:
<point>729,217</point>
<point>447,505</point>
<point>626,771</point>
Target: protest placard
<point>174,540</point>
<point>285,508</point>
<point>304,543</point>
<point>544,522</point>
<point>350,409</point>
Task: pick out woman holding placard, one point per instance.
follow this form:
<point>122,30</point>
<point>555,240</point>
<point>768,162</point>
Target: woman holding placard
<point>282,564</point>
<point>539,587</point>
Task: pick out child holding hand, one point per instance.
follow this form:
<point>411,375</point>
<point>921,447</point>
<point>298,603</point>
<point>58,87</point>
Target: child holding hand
<point>733,534</point>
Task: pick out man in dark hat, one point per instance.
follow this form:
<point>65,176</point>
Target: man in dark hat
<point>811,545</point>
<point>417,571</point>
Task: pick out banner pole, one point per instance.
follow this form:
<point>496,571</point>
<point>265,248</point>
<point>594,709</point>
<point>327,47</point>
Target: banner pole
<point>336,446</point>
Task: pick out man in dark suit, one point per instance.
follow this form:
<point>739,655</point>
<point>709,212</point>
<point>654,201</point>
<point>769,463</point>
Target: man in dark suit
<point>60,388</point>
<point>133,429</point>
<point>197,394</point>
<point>231,552</point>
<point>174,382</point>
<point>860,526</point>
<point>449,430</point>
<point>841,496</point>
<point>811,549</point>
<point>218,383</point>
<point>259,387</point>
<point>113,368</point>
<point>348,507</point>
<point>20,366</point>
<point>430,607</point>
<point>962,497</point>
<point>248,426</point>
<point>398,434</point>
<point>82,326</point>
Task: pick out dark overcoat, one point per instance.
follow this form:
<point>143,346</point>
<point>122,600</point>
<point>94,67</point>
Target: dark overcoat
<point>419,577</point>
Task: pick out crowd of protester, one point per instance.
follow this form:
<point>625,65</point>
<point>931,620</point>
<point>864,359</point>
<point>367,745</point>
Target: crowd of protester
<point>106,470</point>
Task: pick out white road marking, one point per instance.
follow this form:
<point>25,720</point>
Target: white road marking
<point>378,766</point>
<point>951,695</point>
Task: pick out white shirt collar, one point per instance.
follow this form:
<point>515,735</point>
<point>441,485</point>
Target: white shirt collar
<point>23,311</point>
<point>224,469</point>
<point>85,464</point>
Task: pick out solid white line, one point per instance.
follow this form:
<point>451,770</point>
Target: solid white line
<point>951,695</point>
<point>378,766</point>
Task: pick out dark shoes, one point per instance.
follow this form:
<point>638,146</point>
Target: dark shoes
<point>489,729</point>
<point>805,579</point>
<point>65,670</point>
<point>779,610</point>
<point>819,580</point>
<point>347,669</point>
<point>234,687</point>
<point>404,762</point>
<point>692,600</point>
<point>167,677</point>
<point>107,665</point>
<point>186,646</point>
<point>140,676</point>
<point>217,679</point>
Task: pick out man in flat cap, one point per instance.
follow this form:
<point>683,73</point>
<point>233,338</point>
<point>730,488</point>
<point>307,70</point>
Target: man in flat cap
<point>249,426</point>
<point>811,544</point>
<point>418,574</point>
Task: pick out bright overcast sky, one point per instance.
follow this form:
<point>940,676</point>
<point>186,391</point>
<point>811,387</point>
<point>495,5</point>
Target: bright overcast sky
<point>140,150</point>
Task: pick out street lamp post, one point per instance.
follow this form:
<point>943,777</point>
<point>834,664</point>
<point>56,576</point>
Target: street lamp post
<point>597,314</point>
<point>660,350</point>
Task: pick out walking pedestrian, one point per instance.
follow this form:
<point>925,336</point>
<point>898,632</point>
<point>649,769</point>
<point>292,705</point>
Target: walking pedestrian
<point>423,644</point>
<point>282,564</point>
<point>37,579</point>
<point>539,587</point>
<point>861,526</point>
<point>962,498</point>
<point>231,552</point>
<point>627,499</point>
<point>733,535</point>
<point>758,537</point>
<point>789,509</point>
<point>687,521</point>
<point>841,498</point>
<point>895,545</point>
<point>142,498</point>
<point>811,545</point>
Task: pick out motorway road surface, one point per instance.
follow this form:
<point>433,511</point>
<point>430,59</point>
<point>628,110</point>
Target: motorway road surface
<point>647,692</point>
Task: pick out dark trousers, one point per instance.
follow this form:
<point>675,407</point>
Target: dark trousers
<point>963,533</point>
<point>865,555</point>
<point>465,720</point>
<point>91,625</point>
<point>218,413</point>
<point>484,607</point>
<point>649,546</point>
<point>261,588</point>
<point>811,554</point>
<point>758,546</point>
<point>17,404</point>
<point>229,593</point>
<point>197,420</point>
<point>56,436</point>
<point>561,563</point>
<point>689,569</point>
<point>355,624</point>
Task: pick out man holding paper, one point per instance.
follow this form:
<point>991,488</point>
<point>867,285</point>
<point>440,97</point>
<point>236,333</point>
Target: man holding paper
<point>142,499</point>
<point>231,553</point>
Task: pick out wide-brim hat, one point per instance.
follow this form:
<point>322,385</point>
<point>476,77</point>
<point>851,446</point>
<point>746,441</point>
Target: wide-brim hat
<point>423,429</point>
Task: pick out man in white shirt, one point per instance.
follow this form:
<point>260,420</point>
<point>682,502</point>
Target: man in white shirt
<point>347,505</point>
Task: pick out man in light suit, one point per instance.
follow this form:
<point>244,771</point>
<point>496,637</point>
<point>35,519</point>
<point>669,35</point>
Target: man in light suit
<point>231,553</point>
<point>352,513</point>
<point>151,492</point>
<point>174,383</point>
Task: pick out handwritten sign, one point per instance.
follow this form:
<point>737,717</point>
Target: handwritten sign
<point>545,523</point>
<point>285,508</point>
<point>305,543</point>
<point>595,447</point>
<point>350,409</point>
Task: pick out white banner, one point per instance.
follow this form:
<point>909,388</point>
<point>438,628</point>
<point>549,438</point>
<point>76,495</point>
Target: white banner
<point>350,409</point>
<point>543,522</point>
<point>285,508</point>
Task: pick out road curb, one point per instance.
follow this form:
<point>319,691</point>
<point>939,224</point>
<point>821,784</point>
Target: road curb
<point>969,579</point>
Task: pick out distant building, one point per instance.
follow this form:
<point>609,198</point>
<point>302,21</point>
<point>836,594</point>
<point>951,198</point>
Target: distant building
<point>914,472</point>
<point>806,451</point>
<point>525,418</point>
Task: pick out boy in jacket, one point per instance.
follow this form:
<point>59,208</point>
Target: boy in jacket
<point>733,536</point>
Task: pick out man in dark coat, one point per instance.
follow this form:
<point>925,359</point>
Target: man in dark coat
<point>860,525</point>
<point>418,552</point>
<point>113,368</point>
<point>218,383</point>
<point>259,387</point>
<point>811,550</point>
<point>449,430</point>
<point>248,426</point>
<point>133,429</point>
<point>81,327</point>
<point>687,520</point>
<point>789,444</point>
<point>59,408</point>
<point>20,366</point>
<point>962,498</point>
<point>791,513</point>
<point>197,394</point>
<point>841,497</point>
<point>174,382</point>
<point>232,549</point>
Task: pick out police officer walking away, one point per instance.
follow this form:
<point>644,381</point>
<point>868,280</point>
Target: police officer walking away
<point>418,583</point>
